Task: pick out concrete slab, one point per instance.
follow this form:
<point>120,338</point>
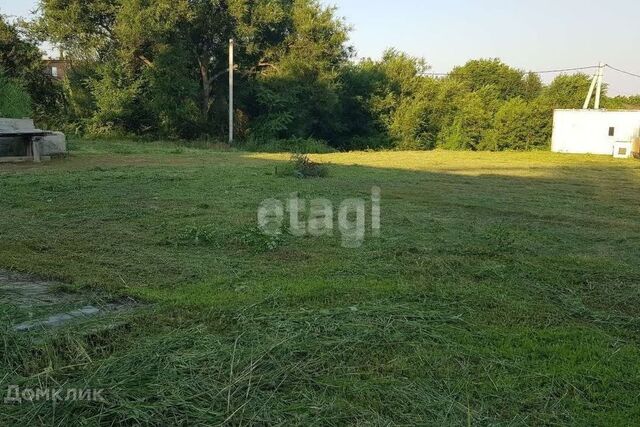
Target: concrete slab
<point>37,304</point>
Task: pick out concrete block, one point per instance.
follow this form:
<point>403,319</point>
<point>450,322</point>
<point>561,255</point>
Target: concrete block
<point>52,145</point>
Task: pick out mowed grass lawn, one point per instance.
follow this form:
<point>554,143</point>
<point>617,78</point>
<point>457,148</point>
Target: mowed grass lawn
<point>504,289</point>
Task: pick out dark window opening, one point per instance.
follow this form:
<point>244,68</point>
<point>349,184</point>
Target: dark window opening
<point>612,131</point>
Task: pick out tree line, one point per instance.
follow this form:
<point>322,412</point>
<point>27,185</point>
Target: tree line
<point>158,69</point>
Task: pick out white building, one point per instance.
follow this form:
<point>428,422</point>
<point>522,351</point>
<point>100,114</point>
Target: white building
<point>610,132</point>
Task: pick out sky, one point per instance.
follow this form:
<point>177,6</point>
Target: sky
<point>530,35</point>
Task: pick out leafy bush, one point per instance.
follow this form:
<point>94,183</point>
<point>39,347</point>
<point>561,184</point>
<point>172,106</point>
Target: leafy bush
<point>519,125</point>
<point>302,166</point>
<point>29,92</point>
<point>15,102</point>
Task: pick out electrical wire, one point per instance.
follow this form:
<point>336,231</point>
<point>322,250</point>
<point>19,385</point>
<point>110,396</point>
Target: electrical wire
<point>622,71</point>
<point>564,69</point>
<point>560,70</point>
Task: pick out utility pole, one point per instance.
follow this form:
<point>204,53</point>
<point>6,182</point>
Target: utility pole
<point>594,80</point>
<point>231,65</point>
<point>596,84</point>
<point>599,90</point>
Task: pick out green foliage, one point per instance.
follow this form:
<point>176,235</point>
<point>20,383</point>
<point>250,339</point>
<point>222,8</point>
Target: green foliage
<point>568,91</point>
<point>509,82</point>
<point>301,166</point>
<point>15,102</point>
<point>469,125</point>
<point>21,61</point>
<point>519,125</point>
<point>172,95</point>
<point>622,103</point>
<point>159,68</point>
<point>119,107</point>
<point>163,64</point>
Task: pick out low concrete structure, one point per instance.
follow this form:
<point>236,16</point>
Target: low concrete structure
<point>54,144</point>
<point>20,140</point>
<point>607,132</point>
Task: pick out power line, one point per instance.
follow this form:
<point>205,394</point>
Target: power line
<point>564,69</point>
<point>622,71</point>
<point>560,70</point>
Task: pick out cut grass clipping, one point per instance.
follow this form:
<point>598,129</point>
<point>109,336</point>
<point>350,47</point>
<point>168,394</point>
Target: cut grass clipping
<point>502,290</point>
<point>301,166</point>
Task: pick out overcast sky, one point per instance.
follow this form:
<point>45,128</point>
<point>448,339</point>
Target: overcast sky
<point>532,35</point>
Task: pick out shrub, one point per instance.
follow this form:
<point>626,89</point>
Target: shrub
<point>15,102</point>
<point>302,167</point>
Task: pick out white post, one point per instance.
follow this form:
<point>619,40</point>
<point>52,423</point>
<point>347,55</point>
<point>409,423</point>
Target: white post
<point>231,65</point>
<point>35,148</point>
<point>594,80</point>
<point>599,90</point>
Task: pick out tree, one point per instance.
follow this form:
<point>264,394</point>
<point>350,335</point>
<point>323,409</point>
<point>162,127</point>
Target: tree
<point>519,125</point>
<point>469,125</point>
<point>622,103</point>
<point>568,91</point>
<point>85,29</point>
<point>391,93</point>
<point>509,82</point>
<point>296,84</point>
<point>152,51</point>
<point>159,67</point>
<point>531,86</point>
<point>22,63</point>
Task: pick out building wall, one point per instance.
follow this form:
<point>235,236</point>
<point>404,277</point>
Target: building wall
<point>56,68</point>
<point>587,131</point>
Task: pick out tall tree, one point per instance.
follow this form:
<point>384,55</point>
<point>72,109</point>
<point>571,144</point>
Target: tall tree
<point>568,91</point>
<point>134,35</point>
<point>479,73</point>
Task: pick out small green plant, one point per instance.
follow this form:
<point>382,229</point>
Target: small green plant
<point>255,239</point>
<point>301,166</point>
<point>199,235</point>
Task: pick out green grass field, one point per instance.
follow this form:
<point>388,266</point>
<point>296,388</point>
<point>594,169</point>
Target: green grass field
<point>504,289</point>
